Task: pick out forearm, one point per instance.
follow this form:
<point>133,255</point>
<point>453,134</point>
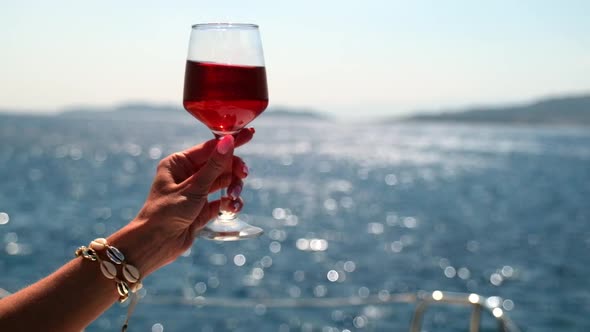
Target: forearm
<point>67,300</point>
<point>77,293</point>
<point>175,210</point>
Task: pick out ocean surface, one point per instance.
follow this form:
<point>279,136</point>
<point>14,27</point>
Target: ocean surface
<point>349,211</point>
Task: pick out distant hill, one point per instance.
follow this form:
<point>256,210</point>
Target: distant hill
<point>123,110</point>
<point>567,110</point>
<point>146,110</point>
<point>299,113</point>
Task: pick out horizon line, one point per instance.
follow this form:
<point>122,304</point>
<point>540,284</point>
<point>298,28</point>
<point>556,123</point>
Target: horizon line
<point>302,108</point>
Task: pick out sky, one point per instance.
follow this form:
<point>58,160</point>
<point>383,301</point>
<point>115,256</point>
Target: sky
<point>347,58</point>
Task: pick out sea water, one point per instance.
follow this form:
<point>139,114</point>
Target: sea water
<point>349,211</point>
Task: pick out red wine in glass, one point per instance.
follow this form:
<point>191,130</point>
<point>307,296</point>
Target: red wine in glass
<point>225,88</point>
<point>224,97</point>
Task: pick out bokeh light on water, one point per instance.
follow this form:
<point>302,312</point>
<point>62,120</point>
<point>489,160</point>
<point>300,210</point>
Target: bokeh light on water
<point>349,211</point>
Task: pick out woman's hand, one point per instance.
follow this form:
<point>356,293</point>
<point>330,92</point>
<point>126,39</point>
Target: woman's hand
<point>177,207</point>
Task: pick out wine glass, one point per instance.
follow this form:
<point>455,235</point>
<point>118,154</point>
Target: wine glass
<point>225,88</point>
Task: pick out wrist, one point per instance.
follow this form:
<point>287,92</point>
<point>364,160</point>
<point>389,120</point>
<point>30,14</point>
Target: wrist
<point>143,246</point>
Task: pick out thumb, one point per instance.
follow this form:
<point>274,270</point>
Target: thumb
<point>199,183</point>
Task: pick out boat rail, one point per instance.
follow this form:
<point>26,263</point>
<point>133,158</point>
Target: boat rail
<point>423,300</point>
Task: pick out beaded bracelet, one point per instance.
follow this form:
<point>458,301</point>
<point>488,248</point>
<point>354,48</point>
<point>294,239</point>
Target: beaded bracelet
<point>130,273</point>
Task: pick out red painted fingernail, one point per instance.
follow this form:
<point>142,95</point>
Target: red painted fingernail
<point>225,144</point>
<point>252,130</point>
<point>237,206</point>
<point>245,169</point>
<point>234,191</point>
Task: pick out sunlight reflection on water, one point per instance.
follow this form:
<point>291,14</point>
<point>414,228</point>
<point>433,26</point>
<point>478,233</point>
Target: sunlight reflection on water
<point>347,210</point>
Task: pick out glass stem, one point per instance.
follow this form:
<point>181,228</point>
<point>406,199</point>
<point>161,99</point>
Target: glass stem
<point>224,215</point>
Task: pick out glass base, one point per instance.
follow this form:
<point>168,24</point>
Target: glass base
<point>222,229</point>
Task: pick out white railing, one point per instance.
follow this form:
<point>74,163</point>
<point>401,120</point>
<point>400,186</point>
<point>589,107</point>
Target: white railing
<point>423,300</point>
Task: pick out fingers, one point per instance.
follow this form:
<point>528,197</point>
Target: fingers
<point>227,204</point>
<point>199,183</point>
<point>179,166</point>
<point>198,154</point>
<point>244,136</point>
<point>239,170</point>
<point>235,188</point>
<point>233,205</point>
<point>211,210</point>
